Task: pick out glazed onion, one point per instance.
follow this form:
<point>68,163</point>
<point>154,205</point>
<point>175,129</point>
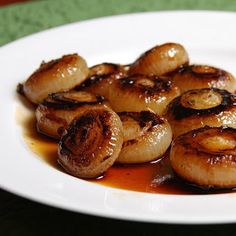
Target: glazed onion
<point>101,77</point>
<point>203,76</point>
<point>206,157</point>
<point>139,92</point>
<point>201,107</point>
<point>100,85</point>
<point>160,60</point>
<point>92,143</point>
<point>56,112</point>
<point>55,76</point>
<point>107,69</point>
<point>146,137</point>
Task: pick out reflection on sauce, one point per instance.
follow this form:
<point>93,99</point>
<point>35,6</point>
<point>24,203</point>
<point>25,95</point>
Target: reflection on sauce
<point>141,177</point>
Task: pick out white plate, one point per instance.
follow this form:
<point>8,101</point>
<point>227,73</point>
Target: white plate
<point>208,36</point>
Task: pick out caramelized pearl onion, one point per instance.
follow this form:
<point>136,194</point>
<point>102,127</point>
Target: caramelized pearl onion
<point>107,69</point>
<point>146,137</point>
<point>139,92</point>
<point>100,85</point>
<point>91,144</point>
<point>203,76</point>
<point>160,60</point>
<point>206,157</point>
<point>55,76</point>
<point>201,107</point>
<point>101,77</point>
<point>55,113</point>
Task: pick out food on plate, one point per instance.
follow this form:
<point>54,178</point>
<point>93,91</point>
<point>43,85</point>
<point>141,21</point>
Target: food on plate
<point>160,60</point>
<point>55,76</point>
<point>58,110</point>
<point>91,144</point>
<point>106,69</point>
<point>101,77</point>
<point>203,76</point>
<point>99,84</point>
<point>158,109</point>
<point>147,136</point>
<point>141,92</point>
<point>206,157</point>
<point>201,107</point>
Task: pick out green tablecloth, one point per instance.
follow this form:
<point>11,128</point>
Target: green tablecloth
<point>23,217</point>
<point>22,19</point>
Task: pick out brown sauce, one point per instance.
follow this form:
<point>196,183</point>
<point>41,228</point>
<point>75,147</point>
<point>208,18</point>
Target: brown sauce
<point>139,177</point>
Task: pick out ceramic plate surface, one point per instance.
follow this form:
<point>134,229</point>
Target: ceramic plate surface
<point>209,37</point>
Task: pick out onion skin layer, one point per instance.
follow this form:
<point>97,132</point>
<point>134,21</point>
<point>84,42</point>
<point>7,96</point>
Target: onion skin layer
<point>213,167</point>
<point>92,143</point>
<point>55,76</point>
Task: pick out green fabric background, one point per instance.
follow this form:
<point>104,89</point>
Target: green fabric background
<point>18,20</point>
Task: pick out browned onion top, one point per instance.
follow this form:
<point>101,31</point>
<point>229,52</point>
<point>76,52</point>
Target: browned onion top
<point>84,136</point>
<point>147,85</point>
<point>194,139</point>
<point>179,111</point>
<point>65,100</point>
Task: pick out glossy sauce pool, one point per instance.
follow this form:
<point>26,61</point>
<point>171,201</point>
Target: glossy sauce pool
<point>140,177</point>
